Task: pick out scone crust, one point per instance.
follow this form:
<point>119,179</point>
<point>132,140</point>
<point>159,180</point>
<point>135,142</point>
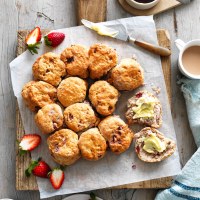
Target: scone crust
<point>102,58</point>
<point>103,97</point>
<point>148,157</point>
<point>154,122</point>
<point>63,145</point>
<point>92,144</point>
<point>49,68</point>
<point>80,116</point>
<point>37,94</point>
<point>117,133</point>
<point>49,118</point>
<point>128,75</point>
<point>71,90</point>
<point>76,60</point>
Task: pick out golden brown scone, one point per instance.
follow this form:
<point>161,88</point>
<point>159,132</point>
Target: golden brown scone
<point>141,102</point>
<point>49,68</point>
<point>117,133</point>
<point>37,94</point>
<point>63,145</point>
<point>102,58</point>
<point>92,144</point>
<point>128,75</point>
<point>71,90</point>
<point>103,97</point>
<point>76,60</point>
<point>80,116</point>
<point>49,118</point>
<point>155,156</point>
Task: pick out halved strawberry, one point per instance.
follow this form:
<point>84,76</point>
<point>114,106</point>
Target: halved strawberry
<point>39,168</point>
<point>33,40</point>
<point>54,39</point>
<point>57,177</point>
<point>28,143</point>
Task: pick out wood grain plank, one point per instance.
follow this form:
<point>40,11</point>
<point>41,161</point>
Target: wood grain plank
<point>162,6</point>
<point>23,183</point>
<point>92,10</point>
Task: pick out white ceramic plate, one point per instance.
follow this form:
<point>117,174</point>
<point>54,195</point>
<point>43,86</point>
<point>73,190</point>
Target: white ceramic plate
<point>80,197</point>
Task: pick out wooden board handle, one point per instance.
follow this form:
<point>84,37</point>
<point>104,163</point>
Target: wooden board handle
<point>92,10</point>
<point>162,51</point>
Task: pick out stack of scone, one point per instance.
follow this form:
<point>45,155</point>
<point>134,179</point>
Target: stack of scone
<point>81,128</point>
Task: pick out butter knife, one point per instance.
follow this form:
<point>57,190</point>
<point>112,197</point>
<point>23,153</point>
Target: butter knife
<point>107,31</point>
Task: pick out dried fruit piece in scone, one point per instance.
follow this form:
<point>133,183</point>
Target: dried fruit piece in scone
<point>152,146</point>
<point>144,108</point>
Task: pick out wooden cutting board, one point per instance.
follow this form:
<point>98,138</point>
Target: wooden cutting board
<point>162,6</point>
<point>22,162</point>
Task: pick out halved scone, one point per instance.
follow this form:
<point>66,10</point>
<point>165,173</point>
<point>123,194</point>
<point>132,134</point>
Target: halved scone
<point>144,108</point>
<point>152,146</point>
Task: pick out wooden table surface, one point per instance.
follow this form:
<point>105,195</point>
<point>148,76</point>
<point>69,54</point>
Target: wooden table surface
<point>182,22</point>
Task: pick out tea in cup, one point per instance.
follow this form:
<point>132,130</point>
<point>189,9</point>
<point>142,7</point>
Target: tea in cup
<point>189,58</point>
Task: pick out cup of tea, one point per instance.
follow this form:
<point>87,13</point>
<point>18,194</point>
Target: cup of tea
<point>189,58</point>
<point>142,4</point>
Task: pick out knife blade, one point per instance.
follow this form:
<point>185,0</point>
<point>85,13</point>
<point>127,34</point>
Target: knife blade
<point>124,36</point>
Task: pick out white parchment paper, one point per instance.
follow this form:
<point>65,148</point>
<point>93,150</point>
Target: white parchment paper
<point>112,170</point>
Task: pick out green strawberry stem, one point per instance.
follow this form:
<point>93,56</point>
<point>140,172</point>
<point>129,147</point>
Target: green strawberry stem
<point>33,47</point>
<point>33,164</point>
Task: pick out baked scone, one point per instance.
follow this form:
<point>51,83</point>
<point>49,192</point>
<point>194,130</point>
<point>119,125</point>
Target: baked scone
<point>71,90</point>
<point>37,94</point>
<point>49,68</point>
<point>144,108</point>
<point>103,97</point>
<point>128,75</point>
<point>63,146</point>
<point>117,133</point>
<point>92,144</point>
<point>152,146</point>
<point>80,116</point>
<point>102,58</point>
<point>76,60</point>
<point>49,118</point>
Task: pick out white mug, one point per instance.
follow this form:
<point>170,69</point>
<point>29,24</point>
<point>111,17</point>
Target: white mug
<point>182,46</point>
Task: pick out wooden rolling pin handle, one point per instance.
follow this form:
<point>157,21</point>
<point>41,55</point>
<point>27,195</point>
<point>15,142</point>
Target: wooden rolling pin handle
<point>92,10</point>
<point>152,48</point>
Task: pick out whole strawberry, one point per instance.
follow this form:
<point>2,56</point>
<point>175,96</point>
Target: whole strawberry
<point>39,168</point>
<point>28,143</point>
<point>33,40</point>
<point>54,39</point>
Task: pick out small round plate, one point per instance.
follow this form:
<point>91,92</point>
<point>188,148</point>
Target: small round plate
<point>80,197</point>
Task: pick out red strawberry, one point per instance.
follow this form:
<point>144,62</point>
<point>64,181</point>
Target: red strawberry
<point>29,142</point>
<point>33,40</point>
<point>57,177</point>
<point>38,168</point>
<point>54,39</point>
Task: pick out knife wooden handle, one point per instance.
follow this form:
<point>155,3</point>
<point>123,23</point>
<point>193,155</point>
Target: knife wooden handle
<point>162,51</point>
<point>92,10</point>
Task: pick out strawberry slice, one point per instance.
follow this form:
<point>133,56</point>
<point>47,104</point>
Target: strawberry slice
<point>33,40</point>
<point>39,168</point>
<point>56,178</point>
<point>54,39</point>
<point>29,142</point>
